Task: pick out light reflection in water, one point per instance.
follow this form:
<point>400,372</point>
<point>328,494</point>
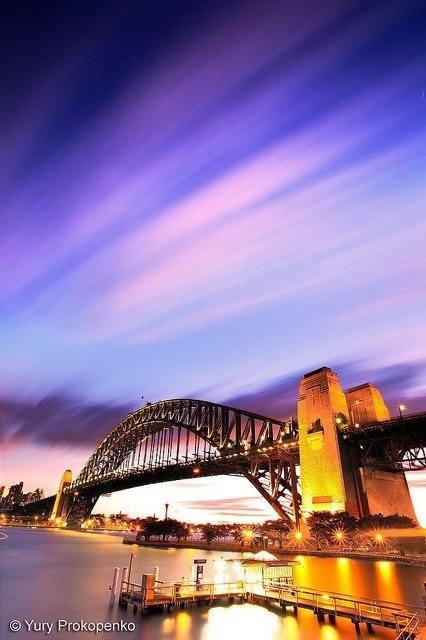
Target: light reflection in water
<point>327,632</point>
<point>168,626</point>
<point>183,625</point>
<point>226,622</point>
<point>291,628</point>
<point>387,579</point>
<point>70,572</point>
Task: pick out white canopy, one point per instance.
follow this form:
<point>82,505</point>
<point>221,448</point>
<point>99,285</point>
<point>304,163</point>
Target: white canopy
<point>264,556</point>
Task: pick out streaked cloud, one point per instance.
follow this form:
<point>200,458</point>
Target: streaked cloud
<point>57,419</point>
<point>212,198</point>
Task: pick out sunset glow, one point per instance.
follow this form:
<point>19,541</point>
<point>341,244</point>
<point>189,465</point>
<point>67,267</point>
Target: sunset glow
<point>205,201</point>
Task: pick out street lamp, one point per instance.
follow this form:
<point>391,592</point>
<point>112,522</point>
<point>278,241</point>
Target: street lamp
<point>355,415</point>
<point>339,535</point>
<point>401,408</point>
<point>248,535</point>
<point>379,538</point>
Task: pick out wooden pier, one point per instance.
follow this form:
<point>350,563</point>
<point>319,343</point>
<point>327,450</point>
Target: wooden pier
<point>408,621</point>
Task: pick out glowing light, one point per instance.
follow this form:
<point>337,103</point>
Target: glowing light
<point>168,626</point>
<point>236,567</point>
<point>220,576</point>
<point>401,408</point>
<point>328,633</point>
<point>379,537</point>
<point>183,624</point>
<point>298,535</point>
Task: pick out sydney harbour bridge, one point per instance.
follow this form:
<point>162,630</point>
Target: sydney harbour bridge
<point>343,452</point>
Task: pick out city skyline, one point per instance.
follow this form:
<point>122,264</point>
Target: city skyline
<point>206,202</point>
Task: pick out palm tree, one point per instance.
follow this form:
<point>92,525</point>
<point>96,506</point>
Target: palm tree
<point>209,533</point>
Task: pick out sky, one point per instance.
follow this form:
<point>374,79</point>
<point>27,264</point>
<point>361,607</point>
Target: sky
<point>204,200</point>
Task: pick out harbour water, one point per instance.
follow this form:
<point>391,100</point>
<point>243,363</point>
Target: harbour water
<point>51,575</point>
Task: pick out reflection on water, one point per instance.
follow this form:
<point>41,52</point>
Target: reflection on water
<point>47,575</point>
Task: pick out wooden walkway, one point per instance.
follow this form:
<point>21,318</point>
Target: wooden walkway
<point>408,621</point>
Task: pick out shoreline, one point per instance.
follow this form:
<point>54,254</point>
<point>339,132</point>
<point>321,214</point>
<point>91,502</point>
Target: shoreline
<point>413,560</point>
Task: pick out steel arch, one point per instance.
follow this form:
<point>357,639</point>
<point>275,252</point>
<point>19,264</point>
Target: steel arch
<point>262,449</point>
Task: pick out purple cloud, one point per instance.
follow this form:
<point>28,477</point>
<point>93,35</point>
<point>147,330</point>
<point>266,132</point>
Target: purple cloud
<point>398,382</point>
<point>57,419</point>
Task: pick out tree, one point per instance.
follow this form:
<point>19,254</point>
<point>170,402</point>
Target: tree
<point>379,521</point>
<point>209,533</point>
<point>324,525</point>
<point>275,530</point>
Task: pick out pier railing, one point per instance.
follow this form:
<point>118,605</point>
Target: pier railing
<point>411,628</point>
<point>404,618</point>
<point>175,592</point>
<point>320,601</point>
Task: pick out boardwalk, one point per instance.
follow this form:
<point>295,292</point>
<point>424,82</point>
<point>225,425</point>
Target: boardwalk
<point>407,621</point>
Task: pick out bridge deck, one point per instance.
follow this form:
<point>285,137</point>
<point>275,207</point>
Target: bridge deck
<point>405,619</point>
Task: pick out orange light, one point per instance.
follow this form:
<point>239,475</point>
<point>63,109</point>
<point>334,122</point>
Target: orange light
<point>298,535</point>
<point>379,537</point>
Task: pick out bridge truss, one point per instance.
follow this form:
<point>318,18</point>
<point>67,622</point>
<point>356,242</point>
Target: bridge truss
<point>398,444</point>
<point>178,439</point>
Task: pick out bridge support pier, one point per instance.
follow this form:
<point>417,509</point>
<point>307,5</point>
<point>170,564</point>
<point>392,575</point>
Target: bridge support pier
<point>332,475</point>
<point>324,480</point>
<point>60,505</point>
<point>80,507</point>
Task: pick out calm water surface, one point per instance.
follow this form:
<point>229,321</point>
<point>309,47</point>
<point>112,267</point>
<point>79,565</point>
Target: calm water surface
<point>47,575</point>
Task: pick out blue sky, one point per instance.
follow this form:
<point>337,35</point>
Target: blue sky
<point>205,200</point>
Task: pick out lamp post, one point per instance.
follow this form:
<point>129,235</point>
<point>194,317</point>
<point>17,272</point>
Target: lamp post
<point>356,415</point>
<point>401,409</point>
<point>339,535</point>
<point>298,535</point>
<point>248,536</point>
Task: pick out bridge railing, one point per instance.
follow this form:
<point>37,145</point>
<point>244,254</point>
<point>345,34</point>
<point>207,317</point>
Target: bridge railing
<point>374,424</point>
